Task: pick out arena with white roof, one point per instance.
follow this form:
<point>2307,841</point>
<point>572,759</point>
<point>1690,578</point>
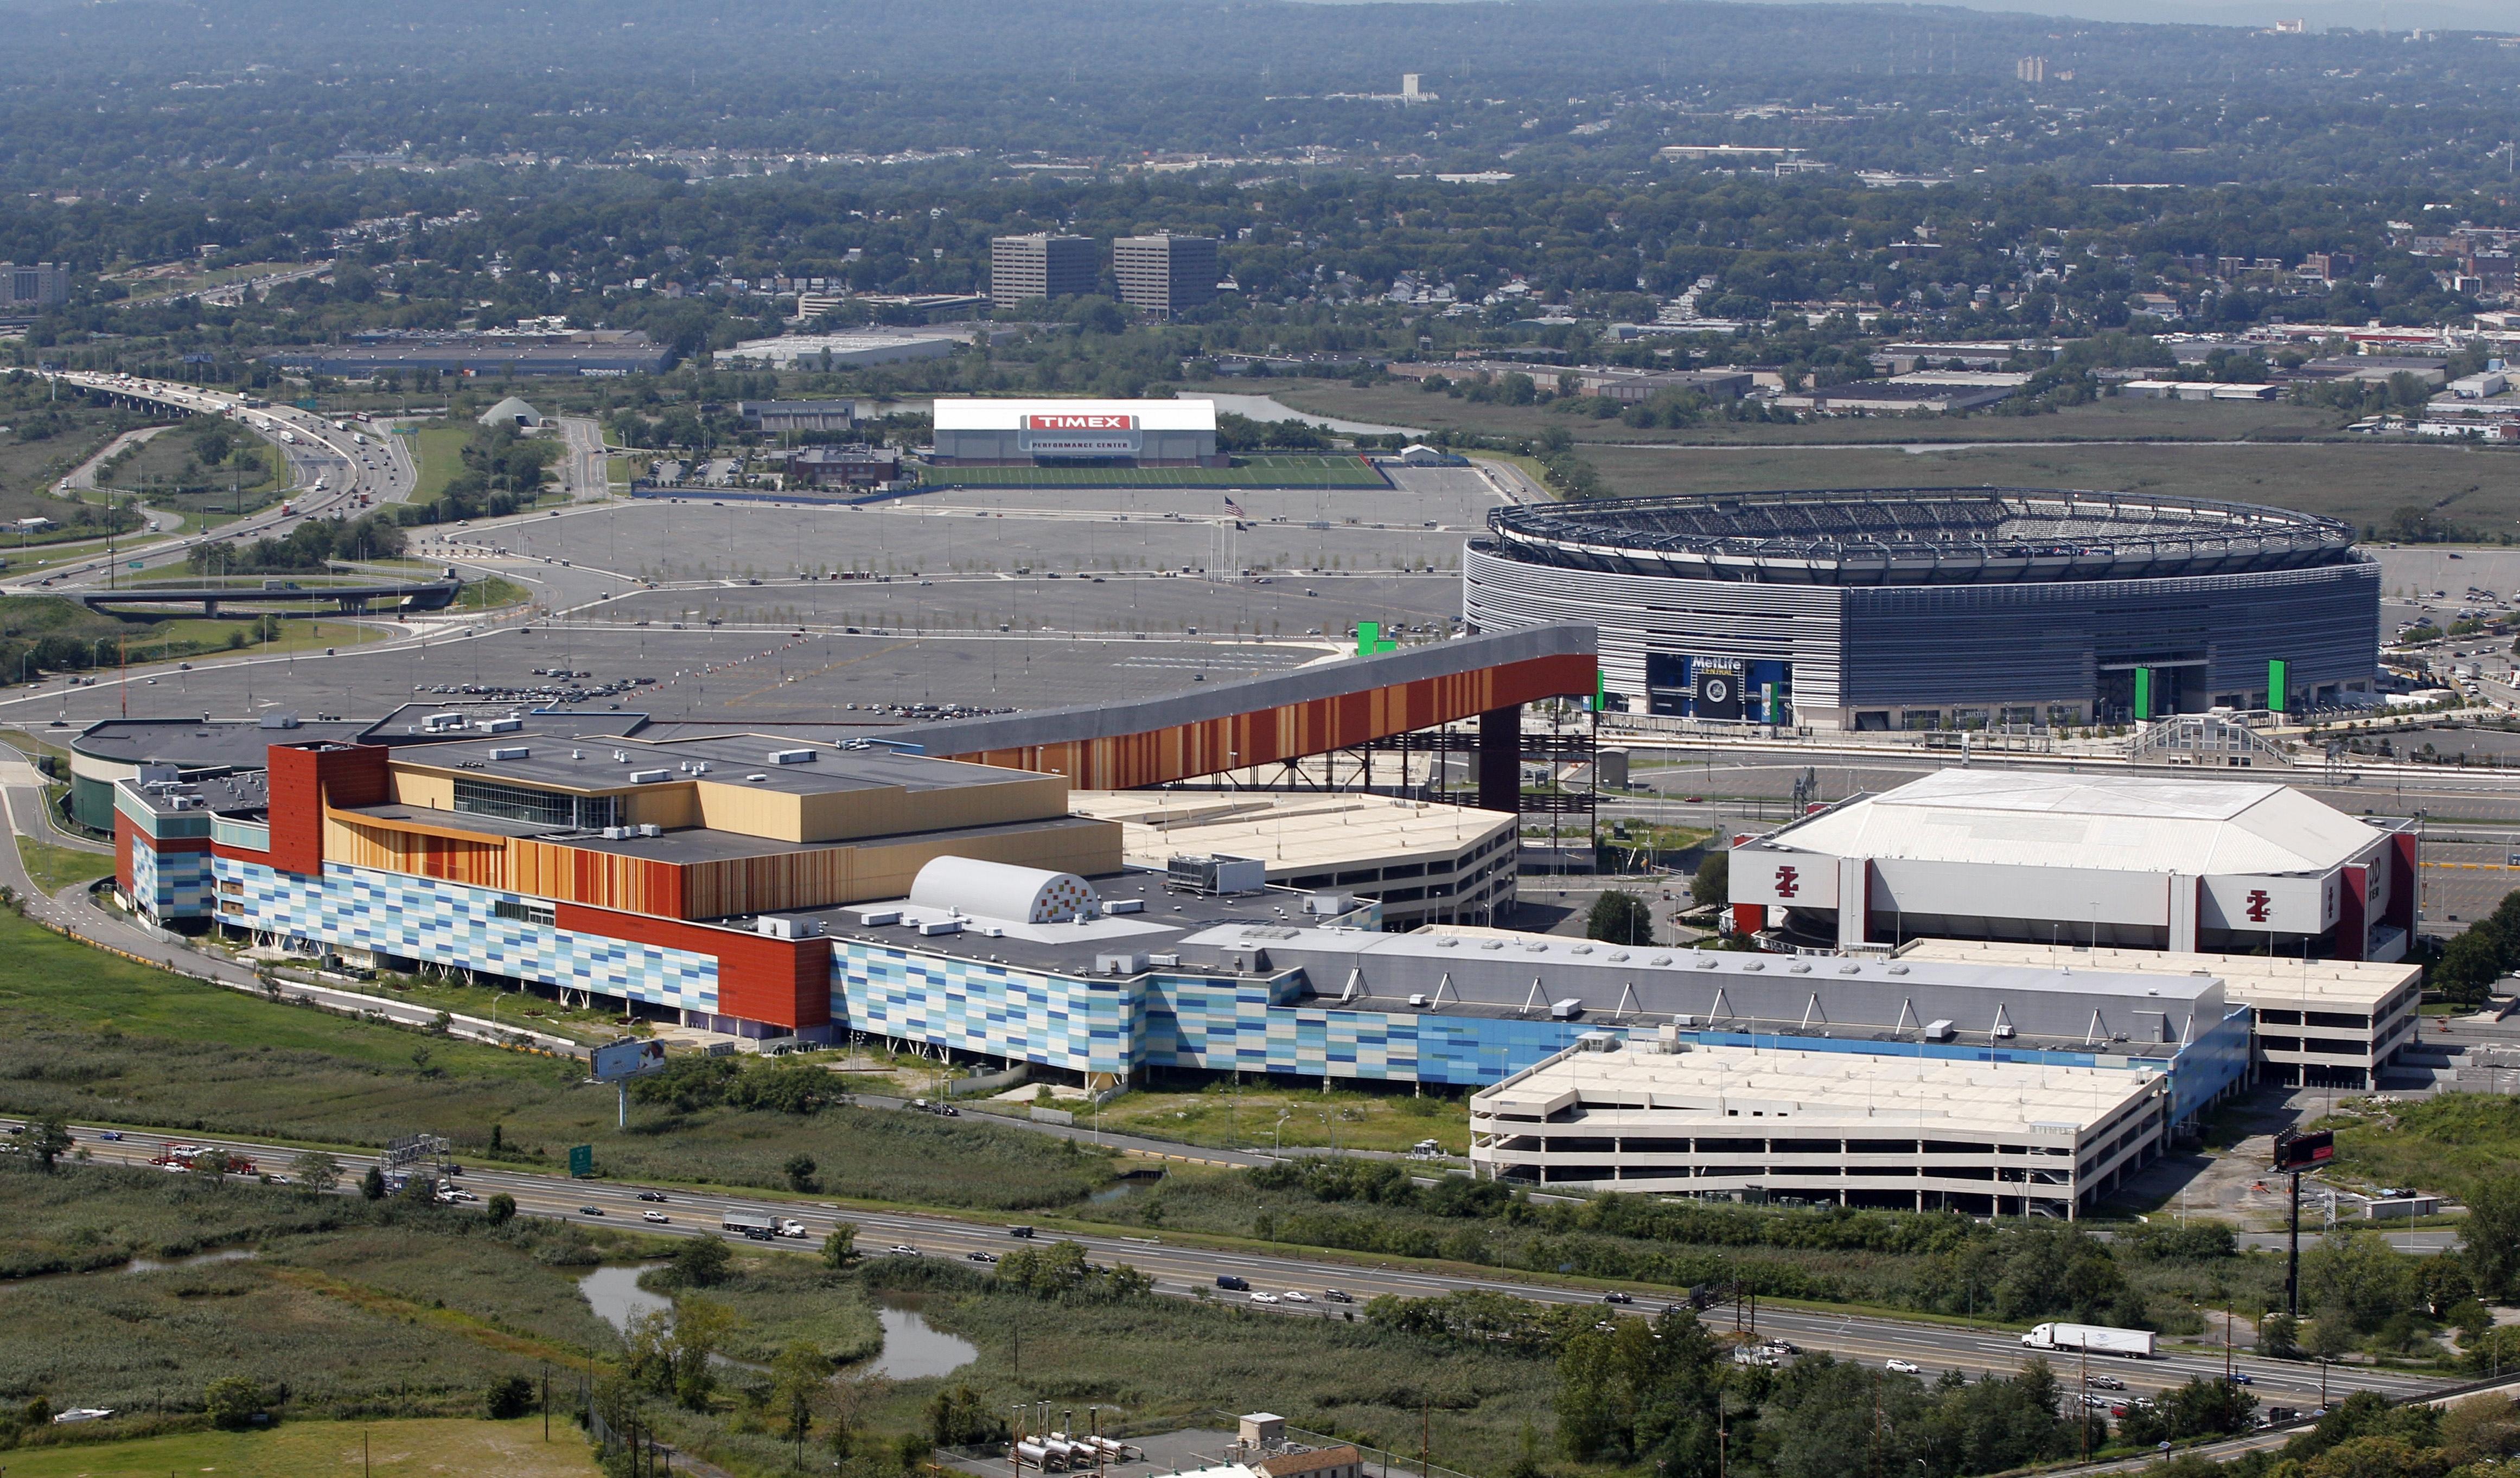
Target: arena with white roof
<point>2043,858</point>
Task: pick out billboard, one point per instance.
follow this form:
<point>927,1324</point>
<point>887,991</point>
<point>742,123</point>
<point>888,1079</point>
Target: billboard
<point>1079,433</point>
<point>1718,688</point>
<point>2305,1150</point>
<point>627,1059</point>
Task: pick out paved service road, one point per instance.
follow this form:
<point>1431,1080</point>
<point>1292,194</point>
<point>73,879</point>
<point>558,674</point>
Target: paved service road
<point>1180,1270</point>
<point>585,470</point>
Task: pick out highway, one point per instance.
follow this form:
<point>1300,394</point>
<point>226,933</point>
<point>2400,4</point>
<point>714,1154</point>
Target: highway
<point>1179,1270</point>
<point>350,464</point>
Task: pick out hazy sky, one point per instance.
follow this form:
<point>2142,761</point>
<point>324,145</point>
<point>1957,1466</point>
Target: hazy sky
<point>2361,15</point>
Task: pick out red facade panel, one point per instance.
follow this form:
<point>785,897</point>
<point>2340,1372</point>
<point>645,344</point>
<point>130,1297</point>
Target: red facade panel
<point>122,849</point>
<point>786,982</point>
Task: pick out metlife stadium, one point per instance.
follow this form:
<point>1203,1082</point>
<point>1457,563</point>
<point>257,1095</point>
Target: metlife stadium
<point>1924,608</point>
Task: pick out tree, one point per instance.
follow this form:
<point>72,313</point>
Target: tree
<point>958,1416</point>
<point>2327,1336</point>
<point>2355,1278</point>
<point>2469,966</point>
<point>2279,1337</point>
<point>2205,1408</point>
<point>508,1399</point>
<point>701,1325</point>
<point>233,1400</point>
<point>1619,916</point>
<point>701,1262</point>
<point>2489,1237</point>
<point>315,1172</point>
<point>372,1185</point>
<point>500,1209</point>
<point>797,1373</point>
<point>801,1174</point>
<point>1714,880</point>
<point>841,1245</point>
<point>47,1139</point>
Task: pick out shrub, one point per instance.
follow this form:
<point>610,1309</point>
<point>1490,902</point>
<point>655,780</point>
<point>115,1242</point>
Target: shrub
<point>232,1402</point>
<point>508,1399</point>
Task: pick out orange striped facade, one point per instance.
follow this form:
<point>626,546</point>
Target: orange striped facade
<point>1292,731</point>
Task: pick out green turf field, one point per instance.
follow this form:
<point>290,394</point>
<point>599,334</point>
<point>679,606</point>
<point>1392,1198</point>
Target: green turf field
<point>1282,470</point>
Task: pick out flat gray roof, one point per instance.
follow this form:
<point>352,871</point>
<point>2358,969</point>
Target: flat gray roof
<point>586,763</point>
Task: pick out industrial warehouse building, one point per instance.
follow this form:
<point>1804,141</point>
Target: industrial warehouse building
<point>2038,857</point>
<point>1940,608</point>
<point>841,352</point>
<point>1127,432</point>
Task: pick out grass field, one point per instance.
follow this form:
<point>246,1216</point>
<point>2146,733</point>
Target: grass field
<point>2442,1143</point>
<point>2113,418</point>
<point>1218,1115</point>
<point>1270,471</point>
<point>328,1449</point>
<point>57,867</point>
<point>439,451</point>
<point>99,1039</point>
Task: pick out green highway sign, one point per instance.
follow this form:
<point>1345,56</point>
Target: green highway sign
<point>581,1160</point>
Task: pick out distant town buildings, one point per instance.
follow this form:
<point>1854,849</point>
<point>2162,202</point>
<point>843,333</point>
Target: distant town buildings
<point>2031,70</point>
<point>1040,265</point>
<point>43,285</point>
<point>1165,274</point>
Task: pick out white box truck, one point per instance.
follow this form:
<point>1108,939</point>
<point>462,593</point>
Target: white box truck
<point>2098,1339</point>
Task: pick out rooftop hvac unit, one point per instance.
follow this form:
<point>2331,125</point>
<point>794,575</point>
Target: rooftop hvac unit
<point>442,723</point>
<point>869,918</point>
<point>503,726</point>
<point>2003,1032</point>
<point>648,828</point>
<point>511,751</point>
<point>1939,1031</point>
<point>1164,961</point>
<point>941,926</point>
<point>277,721</point>
<point>1119,964</point>
<point>1597,1042</point>
<point>792,756</point>
<point>1329,905</point>
<point>777,927</point>
<point>617,833</point>
<point>650,777</point>
<point>1124,906</point>
<point>1217,875</point>
<point>1567,1009</point>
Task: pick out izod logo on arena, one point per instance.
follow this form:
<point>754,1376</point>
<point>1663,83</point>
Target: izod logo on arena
<point>1080,423</point>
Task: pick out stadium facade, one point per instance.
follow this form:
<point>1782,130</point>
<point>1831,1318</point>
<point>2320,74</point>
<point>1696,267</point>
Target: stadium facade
<point>1926,608</point>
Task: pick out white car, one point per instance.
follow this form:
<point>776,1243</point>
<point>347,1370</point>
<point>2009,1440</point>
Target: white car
<point>653,1216</point>
<point>898,1250</point>
<point>1264,1298</point>
<point>1902,1366</point>
<point>1293,1297</point>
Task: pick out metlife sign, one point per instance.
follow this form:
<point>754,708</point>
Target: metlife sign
<point>1079,435</point>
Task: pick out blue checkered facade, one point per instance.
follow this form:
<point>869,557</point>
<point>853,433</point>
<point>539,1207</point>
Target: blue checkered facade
<point>449,924</point>
<point>169,884</point>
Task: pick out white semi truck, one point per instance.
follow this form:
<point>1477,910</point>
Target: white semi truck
<point>2098,1339</point>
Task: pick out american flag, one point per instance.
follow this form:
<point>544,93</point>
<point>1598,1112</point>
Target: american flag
<point>1235,508</point>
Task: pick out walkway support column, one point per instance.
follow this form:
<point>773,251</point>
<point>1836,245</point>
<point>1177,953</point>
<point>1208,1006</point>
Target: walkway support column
<point>1501,759</point>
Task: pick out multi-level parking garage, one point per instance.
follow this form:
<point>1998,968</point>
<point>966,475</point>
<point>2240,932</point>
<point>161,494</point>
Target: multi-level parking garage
<point>1923,608</point>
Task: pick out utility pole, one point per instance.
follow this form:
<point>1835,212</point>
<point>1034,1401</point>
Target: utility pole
<point>2292,1267</point>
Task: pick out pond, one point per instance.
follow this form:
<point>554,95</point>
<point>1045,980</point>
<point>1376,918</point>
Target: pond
<point>911,1346</point>
<point>146,1264</point>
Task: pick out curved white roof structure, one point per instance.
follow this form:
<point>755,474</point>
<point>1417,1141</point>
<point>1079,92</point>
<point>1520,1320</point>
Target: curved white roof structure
<point>1002,890</point>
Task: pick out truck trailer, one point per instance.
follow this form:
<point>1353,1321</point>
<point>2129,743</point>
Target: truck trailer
<point>2097,1339</point>
<point>759,1228</point>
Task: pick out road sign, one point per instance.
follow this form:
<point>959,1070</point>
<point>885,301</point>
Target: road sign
<point>581,1160</point>
<point>2298,1149</point>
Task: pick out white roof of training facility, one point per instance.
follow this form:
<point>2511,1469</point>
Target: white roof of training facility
<point>509,412</point>
<point>2248,979</point>
<point>972,415</point>
<point>2113,823</point>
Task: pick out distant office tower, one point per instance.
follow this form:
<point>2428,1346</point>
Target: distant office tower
<point>1164,273</point>
<point>2031,70</point>
<point>1039,265</point>
<point>45,285</point>
<point>1408,87</point>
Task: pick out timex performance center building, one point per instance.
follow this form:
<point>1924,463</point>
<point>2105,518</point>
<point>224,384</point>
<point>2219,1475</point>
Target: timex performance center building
<point>1926,608</point>
<point>1056,432</point>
